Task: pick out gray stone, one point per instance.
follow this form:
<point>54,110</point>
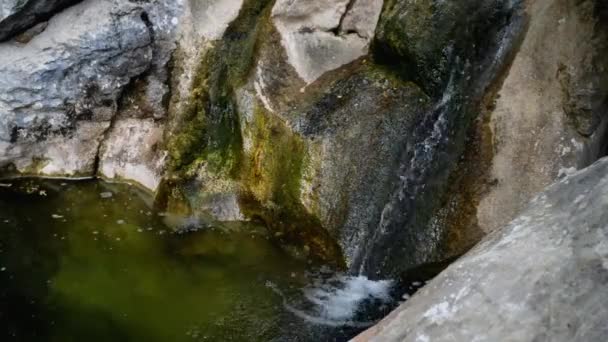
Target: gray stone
<point>543,277</point>
<point>320,36</point>
<point>53,117</point>
<point>18,15</point>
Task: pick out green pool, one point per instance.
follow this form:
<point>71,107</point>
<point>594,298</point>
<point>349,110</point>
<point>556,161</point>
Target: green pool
<point>91,261</point>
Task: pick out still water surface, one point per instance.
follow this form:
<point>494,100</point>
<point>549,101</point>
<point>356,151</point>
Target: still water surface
<point>91,261</point>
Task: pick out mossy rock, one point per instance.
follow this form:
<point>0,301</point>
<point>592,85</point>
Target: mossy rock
<point>272,177</point>
<point>425,39</point>
<point>210,126</point>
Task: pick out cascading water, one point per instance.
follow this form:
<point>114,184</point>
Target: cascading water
<point>402,237</point>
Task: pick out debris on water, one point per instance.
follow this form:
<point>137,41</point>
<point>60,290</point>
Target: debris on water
<point>2,269</point>
<point>95,232</point>
<point>56,217</point>
<point>120,222</point>
<point>106,195</point>
<point>5,185</point>
<point>42,193</point>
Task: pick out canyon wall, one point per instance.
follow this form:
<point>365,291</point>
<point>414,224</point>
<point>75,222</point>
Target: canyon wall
<point>376,135</point>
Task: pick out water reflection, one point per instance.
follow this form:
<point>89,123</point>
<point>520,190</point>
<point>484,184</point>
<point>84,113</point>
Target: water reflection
<point>90,261</point>
<point>79,264</point>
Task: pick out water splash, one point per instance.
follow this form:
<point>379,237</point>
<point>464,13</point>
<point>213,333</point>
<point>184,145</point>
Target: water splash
<point>340,301</point>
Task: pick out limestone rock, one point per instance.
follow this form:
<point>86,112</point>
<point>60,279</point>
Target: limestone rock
<point>76,70</point>
<point>18,15</point>
<point>320,36</point>
<point>543,277</point>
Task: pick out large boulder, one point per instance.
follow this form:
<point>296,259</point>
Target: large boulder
<point>311,135</point>
<point>92,92</point>
<point>543,277</point>
<point>428,40</point>
<point>59,92</point>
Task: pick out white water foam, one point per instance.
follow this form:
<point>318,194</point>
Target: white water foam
<point>336,301</point>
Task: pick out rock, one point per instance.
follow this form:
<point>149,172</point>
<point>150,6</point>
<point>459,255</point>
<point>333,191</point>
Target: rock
<point>18,15</point>
<point>131,152</point>
<point>53,117</point>
<point>426,40</point>
<point>544,276</point>
<point>223,206</point>
<point>106,195</point>
<point>148,95</point>
<point>550,114</point>
<point>365,118</point>
<point>320,36</point>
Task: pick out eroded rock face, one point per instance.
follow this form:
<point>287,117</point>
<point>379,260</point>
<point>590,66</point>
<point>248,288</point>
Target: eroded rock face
<point>17,15</point>
<point>332,152</point>
<point>542,277</point>
<point>59,92</point>
<point>551,113</point>
<point>320,36</point>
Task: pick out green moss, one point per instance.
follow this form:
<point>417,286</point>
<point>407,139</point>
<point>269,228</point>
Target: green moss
<point>210,131</point>
<point>272,179</point>
<point>408,41</point>
<point>274,168</point>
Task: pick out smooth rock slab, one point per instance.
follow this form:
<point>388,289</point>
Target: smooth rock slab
<point>544,277</point>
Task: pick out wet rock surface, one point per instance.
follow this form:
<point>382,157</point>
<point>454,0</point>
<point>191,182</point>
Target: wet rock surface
<point>544,276</point>
<point>474,54</point>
